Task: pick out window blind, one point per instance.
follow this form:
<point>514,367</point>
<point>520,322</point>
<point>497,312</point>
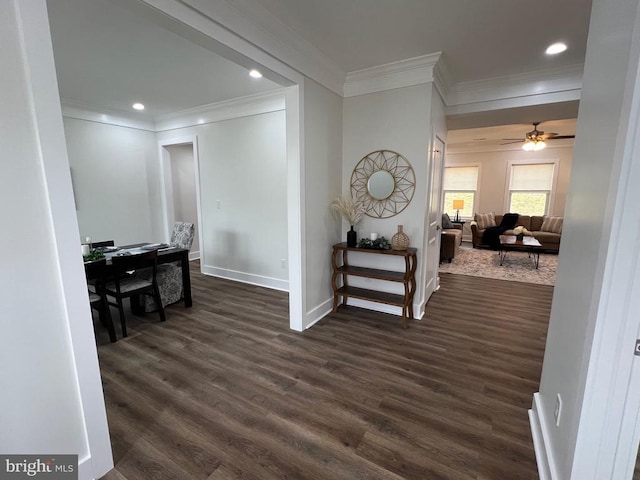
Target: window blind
<point>532,177</point>
<point>460,178</point>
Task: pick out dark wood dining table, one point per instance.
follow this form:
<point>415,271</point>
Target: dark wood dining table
<point>165,255</point>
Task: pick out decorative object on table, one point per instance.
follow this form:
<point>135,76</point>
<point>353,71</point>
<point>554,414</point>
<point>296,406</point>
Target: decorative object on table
<point>520,232</point>
<point>373,236</point>
<point>380,243</point>
<point>384,182</point>
<point>400,241</point>
<point>457,206</point>
<point>93,255</point>
<point>351,211</point>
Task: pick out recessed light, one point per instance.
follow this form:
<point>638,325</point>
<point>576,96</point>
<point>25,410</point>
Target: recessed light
<point>138,106</point>
<point>255,74</point>
<point>556,48</point>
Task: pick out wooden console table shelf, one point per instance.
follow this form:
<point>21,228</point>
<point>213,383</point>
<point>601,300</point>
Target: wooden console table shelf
<point>406,277</point>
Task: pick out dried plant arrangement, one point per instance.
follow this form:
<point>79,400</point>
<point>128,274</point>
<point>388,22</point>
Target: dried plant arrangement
<point>350,209</point>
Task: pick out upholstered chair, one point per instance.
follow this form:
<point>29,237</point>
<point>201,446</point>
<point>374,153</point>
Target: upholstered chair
<point>170,274</point>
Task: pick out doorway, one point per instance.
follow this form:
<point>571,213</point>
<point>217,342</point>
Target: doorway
<point>181,184</point>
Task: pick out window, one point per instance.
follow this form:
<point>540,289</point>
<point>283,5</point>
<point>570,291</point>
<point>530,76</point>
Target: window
<point>530,188</point>
<point>460,183</point>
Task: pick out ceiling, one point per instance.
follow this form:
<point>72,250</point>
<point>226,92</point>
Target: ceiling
<point>110,54</point>
<point>479,38</point>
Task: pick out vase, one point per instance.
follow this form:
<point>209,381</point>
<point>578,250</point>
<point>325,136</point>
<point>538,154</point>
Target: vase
<point>520,237</point>
<point>400,241</point>
<point>352,237</point>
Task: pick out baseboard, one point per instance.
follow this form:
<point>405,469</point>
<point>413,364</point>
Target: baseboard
<point>544,457</point>
<point>85,469</point>
<point>250,278</point>
<point>383,308</point>
<point>318,313</point>
<point>194,255</point>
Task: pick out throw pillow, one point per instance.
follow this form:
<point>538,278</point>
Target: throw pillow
<point>552,224</point>
<point>446,221</point>
<point>485,220</point>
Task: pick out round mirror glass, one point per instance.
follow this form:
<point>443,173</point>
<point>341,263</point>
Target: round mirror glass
<point>381,185</point>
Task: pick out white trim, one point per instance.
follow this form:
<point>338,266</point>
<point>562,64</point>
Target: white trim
<point>216,112</point>
<point>296,241</point>
<point>244,277</point>
<point>383,308</point>
<point>318,313</point>
<point>531,99</point>
<point>85,468</point>
<point>544,455</point>
<point>194,255</point>
<point>564,80</point>
<point>31,17</point>
<point>78,111</point>
<point>421,310</point>
<point>515,147</point>
<point>403,73</point>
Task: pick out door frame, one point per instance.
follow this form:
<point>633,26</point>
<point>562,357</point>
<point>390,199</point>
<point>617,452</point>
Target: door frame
<point>166,175</point>
<point>438,146</point>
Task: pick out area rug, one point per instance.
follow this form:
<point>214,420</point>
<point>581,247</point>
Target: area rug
<point>517,267</point>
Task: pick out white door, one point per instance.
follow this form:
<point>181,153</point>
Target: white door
<point>433,220</point>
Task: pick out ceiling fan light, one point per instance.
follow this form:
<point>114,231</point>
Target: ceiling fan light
<point>533,145</point>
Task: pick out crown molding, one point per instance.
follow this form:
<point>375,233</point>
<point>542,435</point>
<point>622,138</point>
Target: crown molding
<point>564,83</point>
<point>226,110</point>
<point>403,73</point>
<point>452,149</point>
<point>81,111</point>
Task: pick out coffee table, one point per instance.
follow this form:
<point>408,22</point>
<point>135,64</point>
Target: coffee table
<point>509,243</point>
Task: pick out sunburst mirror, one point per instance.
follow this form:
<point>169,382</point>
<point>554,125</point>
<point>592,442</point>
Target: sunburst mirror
<point>384,182</point>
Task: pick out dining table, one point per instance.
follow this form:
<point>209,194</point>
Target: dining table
<point>166,254</point>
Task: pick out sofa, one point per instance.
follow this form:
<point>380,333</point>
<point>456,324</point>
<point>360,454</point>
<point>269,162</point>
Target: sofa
<point>450,241</point>
<point>546,229</point>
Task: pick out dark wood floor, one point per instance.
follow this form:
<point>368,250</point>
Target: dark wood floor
<point>225,390</point>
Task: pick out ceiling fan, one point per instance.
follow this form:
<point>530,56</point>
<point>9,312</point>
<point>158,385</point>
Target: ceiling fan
<point>535,139</point>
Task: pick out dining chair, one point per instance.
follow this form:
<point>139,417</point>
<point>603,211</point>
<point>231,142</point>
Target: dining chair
<point>96,273</point>
<point>104,243</point>
<point>127,286</point>
<point>170,274</point>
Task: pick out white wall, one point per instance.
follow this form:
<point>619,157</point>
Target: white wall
<point>397,120</point>
<point>574,365</point>
<point>494,174</point>
<point>51,398</point>
<point>243,180</point>
<point>116,180</point>
<point>184,189</point>
<point>323,151</point>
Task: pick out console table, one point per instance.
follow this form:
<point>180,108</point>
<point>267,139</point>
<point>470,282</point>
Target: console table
<point>406,277</point>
